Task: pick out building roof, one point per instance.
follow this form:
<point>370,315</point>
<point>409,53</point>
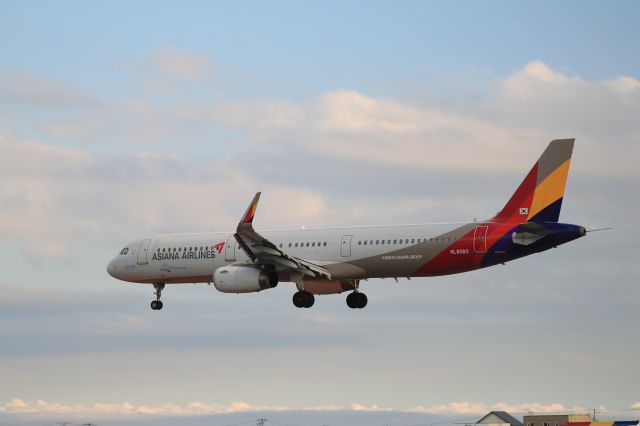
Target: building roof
<point>504,416</point>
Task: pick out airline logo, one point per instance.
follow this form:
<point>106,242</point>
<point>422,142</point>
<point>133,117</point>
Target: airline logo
<point>524,211</point>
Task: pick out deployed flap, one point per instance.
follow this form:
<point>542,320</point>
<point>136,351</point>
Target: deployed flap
<point>261,250</point>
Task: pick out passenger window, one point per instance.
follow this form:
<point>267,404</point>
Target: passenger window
<point>413,241</point>
<point>365,242</point>
<point>289,244</point>
<point>325,244</point>
<point>296,244</point>
<point>313,244</point>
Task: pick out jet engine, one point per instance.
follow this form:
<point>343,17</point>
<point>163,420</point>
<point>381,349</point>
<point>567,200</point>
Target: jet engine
<point>243,279</point>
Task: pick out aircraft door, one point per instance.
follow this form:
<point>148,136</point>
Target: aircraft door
<point>143,251</point>
<point>345,246</point>
<point>230,249</point>
<point>480,239</point>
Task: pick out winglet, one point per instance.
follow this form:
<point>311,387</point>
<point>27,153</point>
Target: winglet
<point>247,219</point>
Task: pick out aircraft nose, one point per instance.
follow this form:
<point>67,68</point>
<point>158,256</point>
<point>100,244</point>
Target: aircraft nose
<point>112,268</point>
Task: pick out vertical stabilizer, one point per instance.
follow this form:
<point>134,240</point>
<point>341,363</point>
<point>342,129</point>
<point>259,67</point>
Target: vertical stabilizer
<point>539,196</point>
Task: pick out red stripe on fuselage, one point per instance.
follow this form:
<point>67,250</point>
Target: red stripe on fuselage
<point>461,256</point>
<point>457,257</point>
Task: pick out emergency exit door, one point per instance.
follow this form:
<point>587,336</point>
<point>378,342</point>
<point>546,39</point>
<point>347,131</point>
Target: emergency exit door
<point>230,249</point>
<point>480,239</point>
<point>143,251</point>
<point>345,247</point>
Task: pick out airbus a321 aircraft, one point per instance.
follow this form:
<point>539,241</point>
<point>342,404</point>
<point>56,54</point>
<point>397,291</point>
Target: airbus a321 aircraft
<point>335,260</point>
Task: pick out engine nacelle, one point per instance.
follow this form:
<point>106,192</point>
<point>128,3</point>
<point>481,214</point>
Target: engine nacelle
<point>243,279</point>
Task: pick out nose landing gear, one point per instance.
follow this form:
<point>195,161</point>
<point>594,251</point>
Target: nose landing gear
<point>156,305</point>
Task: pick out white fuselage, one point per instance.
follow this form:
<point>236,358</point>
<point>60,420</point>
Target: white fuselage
<point>349,253</point>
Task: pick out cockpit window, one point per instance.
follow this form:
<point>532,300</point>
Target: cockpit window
<point>124,251</point>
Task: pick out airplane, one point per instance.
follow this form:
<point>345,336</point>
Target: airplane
<point>335,260</point>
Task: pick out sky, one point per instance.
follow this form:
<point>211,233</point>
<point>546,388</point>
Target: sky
<point>125,119</point>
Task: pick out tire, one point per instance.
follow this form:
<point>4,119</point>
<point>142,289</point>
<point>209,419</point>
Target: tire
<point>154,305</point>
<point>362,300</point>
<point>309,299</point>
<point>352,300</point>
<point>298,299</point>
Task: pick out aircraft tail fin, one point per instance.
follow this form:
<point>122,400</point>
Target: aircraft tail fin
<point>539,196</point>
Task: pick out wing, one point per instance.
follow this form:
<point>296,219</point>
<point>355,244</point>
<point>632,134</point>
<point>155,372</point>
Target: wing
<point>262,251</point>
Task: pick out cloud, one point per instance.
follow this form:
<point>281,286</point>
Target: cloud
<point>535,75</point>
<point>53,198</point>
<point>26,89</point>
<point>182,64</point>
<point>198,408</point>
<point>623,84</point>
<point>464,408</point>
<point>348,110</point>
<point>529,107</point>
<point>195,408</point>
<point>300,153</point>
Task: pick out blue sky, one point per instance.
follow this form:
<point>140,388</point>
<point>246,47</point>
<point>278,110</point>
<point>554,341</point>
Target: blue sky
<point>124,119</point>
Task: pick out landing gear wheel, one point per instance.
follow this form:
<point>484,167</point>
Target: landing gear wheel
<point>356,300</point>
<point>351,300</point>
<point>303,299</point>
<point>309,299</point>
<point>156,305</point>
<point>362,300</point>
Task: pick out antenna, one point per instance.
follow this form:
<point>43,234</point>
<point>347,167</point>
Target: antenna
<point>261,422</point>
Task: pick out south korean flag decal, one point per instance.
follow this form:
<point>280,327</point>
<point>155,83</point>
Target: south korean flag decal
<point>524,211</point>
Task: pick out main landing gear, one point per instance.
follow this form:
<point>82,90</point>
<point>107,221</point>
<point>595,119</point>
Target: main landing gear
<point>156,305</point>
<point>356,300</point>
<point>303,299</point>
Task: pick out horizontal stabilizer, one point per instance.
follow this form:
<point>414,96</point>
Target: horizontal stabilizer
<point>528,233</point>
